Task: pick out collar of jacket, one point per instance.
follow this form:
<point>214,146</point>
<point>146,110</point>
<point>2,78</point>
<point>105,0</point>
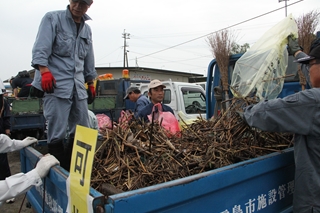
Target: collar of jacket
<point>85,17</point>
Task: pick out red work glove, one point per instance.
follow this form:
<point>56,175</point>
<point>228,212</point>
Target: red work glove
<point>91,93</point>
<point>48,83</point>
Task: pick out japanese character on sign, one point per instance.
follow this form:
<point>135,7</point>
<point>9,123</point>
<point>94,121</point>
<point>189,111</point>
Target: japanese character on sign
<point>262,202</point>
<point>272,196</point>
<point>250,206</point>
<point>290,187</point>
<point>81,160</point>
<point>281,191</point>
<point>237,209</point>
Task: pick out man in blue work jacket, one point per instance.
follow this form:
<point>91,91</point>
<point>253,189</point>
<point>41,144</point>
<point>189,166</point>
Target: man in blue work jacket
<point>134,94</point>
<point>156,94</point>
<point>64,61</point>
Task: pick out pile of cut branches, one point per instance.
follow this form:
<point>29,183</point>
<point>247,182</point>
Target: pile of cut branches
<point>135,156</point>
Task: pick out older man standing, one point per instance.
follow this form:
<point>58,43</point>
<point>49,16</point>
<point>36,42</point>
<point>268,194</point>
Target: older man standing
<point>64,61</point>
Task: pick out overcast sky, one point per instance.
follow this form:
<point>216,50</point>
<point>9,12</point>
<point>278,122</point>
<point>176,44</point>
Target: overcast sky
<point>157,28</point>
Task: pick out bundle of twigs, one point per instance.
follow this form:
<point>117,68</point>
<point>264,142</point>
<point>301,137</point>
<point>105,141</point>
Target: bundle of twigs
<point>128,159</point>
<point>221,45</point>
<point>307,25</point>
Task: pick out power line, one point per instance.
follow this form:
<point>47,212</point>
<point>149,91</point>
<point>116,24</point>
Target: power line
<point>175,61</point>
<point>219,30</point>
<point>108,54</point>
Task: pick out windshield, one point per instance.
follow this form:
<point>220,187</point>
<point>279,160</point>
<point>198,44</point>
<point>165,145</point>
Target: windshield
<point>194,100</point>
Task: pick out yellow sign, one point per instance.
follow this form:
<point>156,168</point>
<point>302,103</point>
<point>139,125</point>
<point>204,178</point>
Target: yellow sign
<point>84,146</point>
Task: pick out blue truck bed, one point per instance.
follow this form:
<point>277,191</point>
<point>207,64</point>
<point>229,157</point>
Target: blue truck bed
<point>263,184</point>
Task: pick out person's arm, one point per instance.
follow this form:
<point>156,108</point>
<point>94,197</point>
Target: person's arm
<point>15,92</point>
<point>167,108</point>
<point>43,69</point>
<point>14,87</point>
<point>42,48</point>
<point>140,104</point>
<point>6,117</point>
<point>9,145</point>
<point>296,51</point>
<point>143,113</point>
<point>299,54</point>
<point>295,113</point>
<point>90,72</point>
<point>18,184</point>
<point>93,121</point>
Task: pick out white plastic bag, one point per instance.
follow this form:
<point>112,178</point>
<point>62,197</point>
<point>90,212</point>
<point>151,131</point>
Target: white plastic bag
<point>262,68</point>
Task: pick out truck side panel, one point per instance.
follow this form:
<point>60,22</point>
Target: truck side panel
<point>263,184</point>
<point>51,196</point>
<point>27,122</point>
<point>53,189</point>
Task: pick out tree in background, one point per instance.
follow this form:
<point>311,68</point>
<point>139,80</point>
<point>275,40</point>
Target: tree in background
<point>237,48</point>
<point>307,25</point>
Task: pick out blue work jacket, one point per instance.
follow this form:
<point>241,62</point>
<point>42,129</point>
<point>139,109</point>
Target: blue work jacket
<point>67,53</point>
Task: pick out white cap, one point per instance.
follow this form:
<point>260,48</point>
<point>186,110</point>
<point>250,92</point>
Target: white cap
<point>155,83</point>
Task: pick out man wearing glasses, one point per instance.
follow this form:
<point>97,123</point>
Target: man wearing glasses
<point>299,114</point>
<point>64,61</point>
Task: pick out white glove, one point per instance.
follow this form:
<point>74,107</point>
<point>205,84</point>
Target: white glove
<point>45,163</point>
<point>9,145</point>
<point>29,140</point>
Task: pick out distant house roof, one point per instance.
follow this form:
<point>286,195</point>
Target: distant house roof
<point>150,70</point>
<point>132,69</point>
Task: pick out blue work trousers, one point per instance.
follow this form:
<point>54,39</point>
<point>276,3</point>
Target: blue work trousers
<point>61,113</point>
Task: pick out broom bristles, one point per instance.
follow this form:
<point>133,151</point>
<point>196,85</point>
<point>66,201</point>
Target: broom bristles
<point>221,44</point>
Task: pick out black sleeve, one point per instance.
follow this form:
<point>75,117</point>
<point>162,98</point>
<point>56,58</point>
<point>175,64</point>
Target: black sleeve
<point>14,83</point>
<point>6,115</point>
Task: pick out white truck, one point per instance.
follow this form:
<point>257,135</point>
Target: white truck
<point>187,100</point>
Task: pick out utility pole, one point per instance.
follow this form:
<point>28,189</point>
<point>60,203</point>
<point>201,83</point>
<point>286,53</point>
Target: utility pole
<point>285,5</point>
<point>125,36</point>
